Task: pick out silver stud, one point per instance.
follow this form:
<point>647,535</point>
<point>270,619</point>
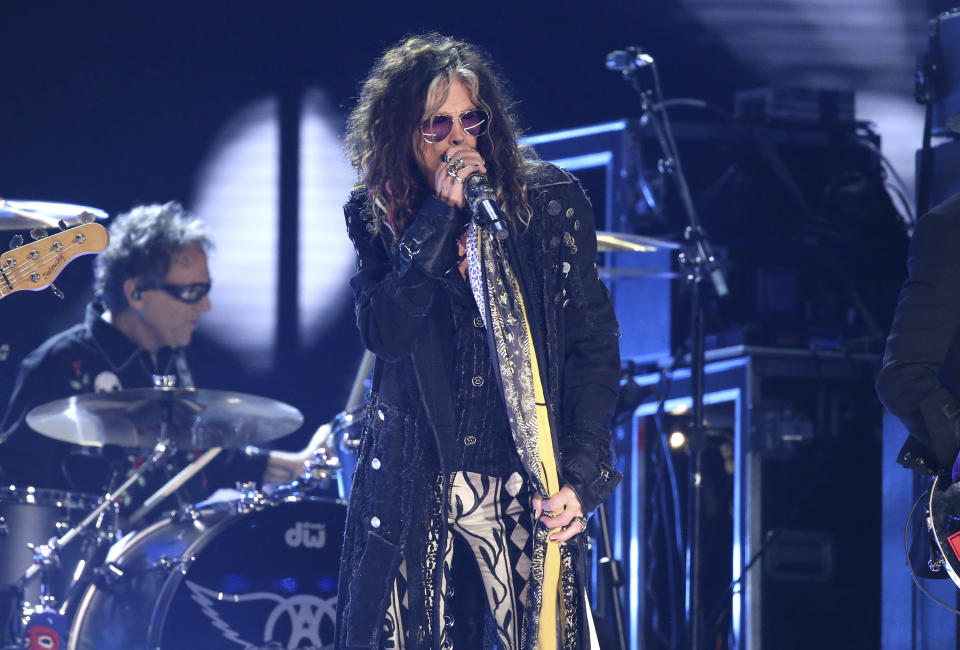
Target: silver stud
<point>470,441</point>
<point>570,212</point>
<point>381,415</point>
<point>375,463</point>
<point>554,208</point>
<point>375,522</point>
<point>477,381</point>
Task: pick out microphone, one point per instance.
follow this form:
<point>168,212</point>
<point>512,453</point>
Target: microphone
<point>628,60</point>
<point>483,203</point>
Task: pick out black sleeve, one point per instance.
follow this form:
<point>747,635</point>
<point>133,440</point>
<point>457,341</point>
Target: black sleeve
<point>924,328</point>
<point>591,372</point>
<point>26,457</point>
<point>392,298</point>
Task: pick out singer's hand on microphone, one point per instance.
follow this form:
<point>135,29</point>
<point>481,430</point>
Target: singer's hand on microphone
<point>457,163</point>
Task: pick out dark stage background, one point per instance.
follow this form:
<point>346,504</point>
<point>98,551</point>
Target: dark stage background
<point>111,104</point>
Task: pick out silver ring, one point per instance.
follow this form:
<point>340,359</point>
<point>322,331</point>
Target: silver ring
<point>457,164</point>
<point>458,179</point>
<point>583,524</point>
<point>452,172</point>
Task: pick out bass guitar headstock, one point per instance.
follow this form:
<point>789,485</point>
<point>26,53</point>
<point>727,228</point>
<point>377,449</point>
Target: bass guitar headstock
<point>36,265</point>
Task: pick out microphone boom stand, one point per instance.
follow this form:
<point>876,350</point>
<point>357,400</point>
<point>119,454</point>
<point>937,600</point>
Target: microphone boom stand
<point>699,263</point>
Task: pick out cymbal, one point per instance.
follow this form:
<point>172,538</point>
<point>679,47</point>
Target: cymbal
<point>23,215</point>
<point>610,242</point>
<point>608,273</point>
<point>193,418</point>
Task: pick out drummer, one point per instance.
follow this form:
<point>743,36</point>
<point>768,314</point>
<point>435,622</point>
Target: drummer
<point>151,287</point>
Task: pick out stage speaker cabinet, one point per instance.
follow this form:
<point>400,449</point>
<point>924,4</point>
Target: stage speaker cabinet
<point>791,517</point>
<point>941,71</point>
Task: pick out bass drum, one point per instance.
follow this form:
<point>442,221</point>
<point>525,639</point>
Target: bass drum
<point>213,578</point>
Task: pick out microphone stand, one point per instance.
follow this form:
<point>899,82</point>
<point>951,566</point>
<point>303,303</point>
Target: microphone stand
<point>612,574</point>
<point>699,264</point>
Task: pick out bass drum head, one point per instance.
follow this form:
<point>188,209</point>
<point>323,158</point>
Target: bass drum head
<point>265,579</point>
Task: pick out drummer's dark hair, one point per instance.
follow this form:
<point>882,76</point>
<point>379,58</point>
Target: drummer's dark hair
<point>142,243</point>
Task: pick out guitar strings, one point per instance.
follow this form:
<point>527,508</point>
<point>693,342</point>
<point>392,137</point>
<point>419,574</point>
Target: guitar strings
<point>29,264</point>
<point>21,273</point>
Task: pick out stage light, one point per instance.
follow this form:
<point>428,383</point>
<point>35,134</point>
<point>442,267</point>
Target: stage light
<point>678,439</point>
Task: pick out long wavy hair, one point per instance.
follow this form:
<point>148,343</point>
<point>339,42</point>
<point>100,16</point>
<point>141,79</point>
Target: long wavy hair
<point>382,129</point>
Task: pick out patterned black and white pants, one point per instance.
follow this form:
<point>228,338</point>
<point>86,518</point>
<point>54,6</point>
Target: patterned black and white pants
<point>493,517</point>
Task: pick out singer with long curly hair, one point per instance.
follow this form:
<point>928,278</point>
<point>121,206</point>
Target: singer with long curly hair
<point>485,438</point>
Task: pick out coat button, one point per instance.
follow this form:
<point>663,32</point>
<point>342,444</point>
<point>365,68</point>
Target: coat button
<point>554,208</point>
<point>477,322</point>
<point>375,463</point>
<point>477,381</point>
<point>470,441</point>
<point>375,522</point>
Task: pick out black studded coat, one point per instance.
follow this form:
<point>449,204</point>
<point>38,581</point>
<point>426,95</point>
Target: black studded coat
<point>397,503</point>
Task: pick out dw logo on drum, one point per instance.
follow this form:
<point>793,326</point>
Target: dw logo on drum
<point>307,534</point>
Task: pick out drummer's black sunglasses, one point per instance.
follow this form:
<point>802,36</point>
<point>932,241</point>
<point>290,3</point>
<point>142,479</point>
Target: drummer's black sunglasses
<point>189,293</point>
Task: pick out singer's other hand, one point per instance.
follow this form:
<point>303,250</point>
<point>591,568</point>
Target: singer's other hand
<point>447,161</point>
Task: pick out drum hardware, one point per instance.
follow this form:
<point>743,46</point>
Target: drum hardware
<point>163,417</point>
<point>321,468</point>
<point>251,499</point>
<point>110,572</point>
<point>46,559</point>
<point>188,512</point>
<point>46,554</point>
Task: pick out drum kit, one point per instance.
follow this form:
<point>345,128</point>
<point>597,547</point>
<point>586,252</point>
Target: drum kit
<point>256,567</point>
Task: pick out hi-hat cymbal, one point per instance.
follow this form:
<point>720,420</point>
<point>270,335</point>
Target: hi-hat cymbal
<point>193,418</point>
<point>610,242</point>
<point>24,215</point>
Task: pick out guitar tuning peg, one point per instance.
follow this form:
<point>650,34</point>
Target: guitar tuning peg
<point>86,217</point>
<point>62,225</point>
<point>56,291</point>
<point>16,240</point>
<point>38,233</point>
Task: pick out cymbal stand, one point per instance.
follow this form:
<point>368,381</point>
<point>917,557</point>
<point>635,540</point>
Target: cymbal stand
<point>46,555</point>
<point>699,264</point>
